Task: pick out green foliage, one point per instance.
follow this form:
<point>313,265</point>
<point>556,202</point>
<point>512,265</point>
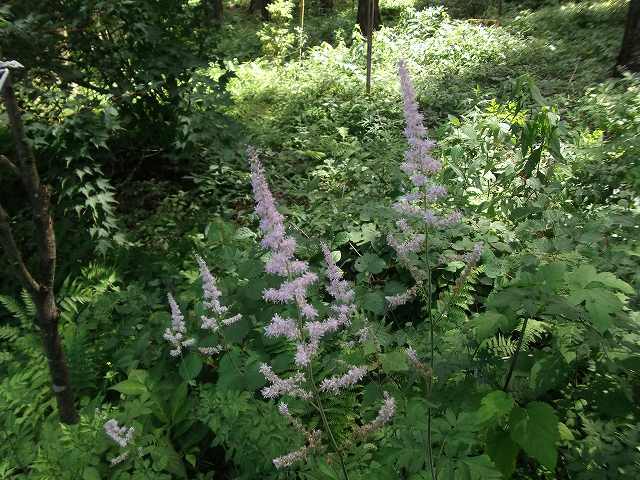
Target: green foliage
<point>277,36</point>
<point>143,140</point>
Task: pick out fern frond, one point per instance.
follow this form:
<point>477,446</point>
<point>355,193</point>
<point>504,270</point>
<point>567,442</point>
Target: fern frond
<point>501,346</point>
<point>18,311</point>
<point>534,332</point>
<point>29,306</point>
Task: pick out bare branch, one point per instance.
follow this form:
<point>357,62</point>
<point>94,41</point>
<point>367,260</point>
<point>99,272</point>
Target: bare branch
<point>38,194</point>
<point>11,248</point>
<point>4,161</point>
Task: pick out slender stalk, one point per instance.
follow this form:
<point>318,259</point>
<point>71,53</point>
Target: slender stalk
<point>425,202</point>
<point>301,39</point>
<point>431,353</point>
<point>370,43</point>
<point>318,401</point>
<point>325,422</point>
<point>514,357</point>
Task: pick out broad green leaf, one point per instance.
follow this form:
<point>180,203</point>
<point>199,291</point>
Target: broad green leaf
<point>130,387</point>
<point>503,451</point>
<point>581,277</point>
<point>394,362</point>
<point>488,323</point>
<point>374,302</point>
<point>370,263</point>
<point>610,280</point>
<point>551,275</point>
<point>139,376</point>
<point>564,433</point>
<point>190,366</point>
<point>91,473</point>
<point>178,400</point>
<point>600,304</point>
<point>495,406</point>
<point>547,373</point>
<point>479,468</point>
<point>535,429</point>
<point>535,93</point>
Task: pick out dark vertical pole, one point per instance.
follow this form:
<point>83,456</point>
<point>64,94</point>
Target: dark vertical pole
<point>369,44</point>
<point>41,287</point>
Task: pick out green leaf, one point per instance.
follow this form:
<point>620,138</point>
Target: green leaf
<point>90,473</point>
<point>580,278</point>
<point>178,399</point>
<point>503,451</point>
<point>535,93</point>
<point>479,468</point>
<point>535,429</point>
<point>488,323</point>
<point>190,366</point>
<point>610,280</point>
<point>394,362</point>
<point>130,387</point>
<point>600,305</point>
<point>564,433</point>
<point>374,302</point>
<point>551,275</point>
<point>495,406</point>
<point>547,373</point>
<point>370,263</point>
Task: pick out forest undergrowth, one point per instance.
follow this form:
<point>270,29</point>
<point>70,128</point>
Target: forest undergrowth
<point>287,277</point>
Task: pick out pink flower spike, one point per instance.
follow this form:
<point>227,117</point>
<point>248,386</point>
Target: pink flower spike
<point>335,384</point>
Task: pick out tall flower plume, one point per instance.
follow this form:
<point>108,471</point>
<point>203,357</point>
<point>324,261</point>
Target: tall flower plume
<point>176,333</point>
<point>416,208</point>
<point>307,329</point>
<point>212,301</point>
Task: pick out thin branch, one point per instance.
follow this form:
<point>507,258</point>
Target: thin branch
<point>38,194</point>
<point>4,161</point>
<point>514,358</point>
<point>11,248</point>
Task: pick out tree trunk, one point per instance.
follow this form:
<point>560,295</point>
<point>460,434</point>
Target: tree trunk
<point>629,57</point>
<point>363,16</point>
<point>40,287</point>
<point>215,10</point>
<point>61,383</point>
<point>260,5</point>
<point>327,5</point>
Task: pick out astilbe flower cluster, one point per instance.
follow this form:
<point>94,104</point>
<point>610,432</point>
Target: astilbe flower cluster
<point>385,414</point>
<point>175,334</point>
<point>120,435</point>
<point>214,322</point>
<point>219,319</point>
<point>307,329</point>
<point>417,207</point>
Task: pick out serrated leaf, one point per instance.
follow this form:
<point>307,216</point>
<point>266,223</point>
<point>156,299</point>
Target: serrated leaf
<point>374,302</point>
<point>480,468</point>
<point>564,433</point>
<point>610,280</point>
<point>190,366</point>
<point>394,362</point>
<point>503,451</point>
<point>488,323</point>
<point>495,406</point>
<point>370,263</point>
<point>581,277</point>
<point>535,429</point>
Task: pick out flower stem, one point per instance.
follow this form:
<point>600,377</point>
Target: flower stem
<point>514,358</point>
<point>431,341</point>
<point>326,422</point>
<point>431,354</point>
